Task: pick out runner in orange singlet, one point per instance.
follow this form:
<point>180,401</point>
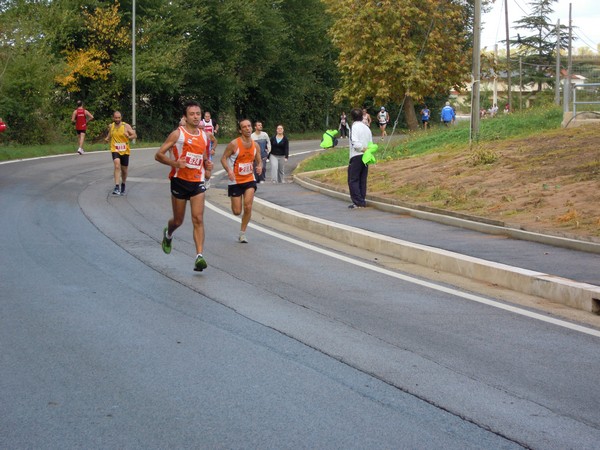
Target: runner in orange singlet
<point>239,160</point>
<point>188,158</point>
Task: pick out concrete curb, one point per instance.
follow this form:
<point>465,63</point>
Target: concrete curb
<point>459,220</point>
<point>574,294</point>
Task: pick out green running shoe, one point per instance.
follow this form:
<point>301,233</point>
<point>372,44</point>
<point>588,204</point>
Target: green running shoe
<point>200,264</point>
<point>166,243</point>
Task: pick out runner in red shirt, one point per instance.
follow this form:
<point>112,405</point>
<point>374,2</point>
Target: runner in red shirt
<point>80,118</point>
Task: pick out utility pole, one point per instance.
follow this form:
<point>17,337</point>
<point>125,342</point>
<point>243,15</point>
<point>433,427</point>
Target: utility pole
<point>495,99</point>
<point>508,68</point>
<point>476,75</point>
<point>567,85</point>
<point>133,119</point>
<point>520,83</point>
<point>557,75</point>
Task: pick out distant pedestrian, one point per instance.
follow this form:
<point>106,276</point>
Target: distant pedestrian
<point>507,109</point>
<point>263,141</point>
<point>343,125</point>
<point>448,114</point>
<point>425,113</point>
<point>80,118</point>
<point>119,134</point>
<point>366,117</point>
<point>360,138</point>
<point>383,117</point>
<point>280,152</point>
<point>209,124</point>
<point>2,126</point>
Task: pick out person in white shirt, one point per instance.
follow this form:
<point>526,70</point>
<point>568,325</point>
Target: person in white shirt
<point>383,118</point>
<point>360,138</point>
<point>264,142</point>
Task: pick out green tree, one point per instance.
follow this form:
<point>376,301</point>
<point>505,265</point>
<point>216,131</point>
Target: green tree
<point>27,70</point>
<point>538,49</point>
<point>399,51</point>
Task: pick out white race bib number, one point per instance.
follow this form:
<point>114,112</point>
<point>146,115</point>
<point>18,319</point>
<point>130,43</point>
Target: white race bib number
<point>193,160</point>
<point>121,147</point>
<point>245,168</point>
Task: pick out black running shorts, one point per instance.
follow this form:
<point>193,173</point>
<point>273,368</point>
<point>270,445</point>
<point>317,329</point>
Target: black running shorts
<point>236,190</point>
<point>184,190</point>
<point>124,158</point>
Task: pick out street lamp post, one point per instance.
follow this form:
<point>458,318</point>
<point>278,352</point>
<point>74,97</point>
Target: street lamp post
<point>476,72</point>
<point>133,119</point>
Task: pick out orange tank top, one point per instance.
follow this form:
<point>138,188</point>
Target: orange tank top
<point>191,148</point>
<point>242,162</point>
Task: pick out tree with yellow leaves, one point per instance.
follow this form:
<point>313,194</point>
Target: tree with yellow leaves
<point>104,36</point>
<point>399,50</point>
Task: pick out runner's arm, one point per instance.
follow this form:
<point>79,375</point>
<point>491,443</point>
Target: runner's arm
<point>226,154</point>
<point>258,160</point>
<point>130,132</point>
<point>161,153</point>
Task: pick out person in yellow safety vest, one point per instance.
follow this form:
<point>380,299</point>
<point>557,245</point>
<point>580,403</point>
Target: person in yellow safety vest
<point>329,139</point>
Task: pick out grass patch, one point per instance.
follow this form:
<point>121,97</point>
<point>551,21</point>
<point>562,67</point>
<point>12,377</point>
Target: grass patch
<point>35,151</point>
<point>444,140</point>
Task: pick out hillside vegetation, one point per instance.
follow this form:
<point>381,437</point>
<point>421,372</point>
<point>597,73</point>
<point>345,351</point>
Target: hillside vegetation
<point>525,171</point>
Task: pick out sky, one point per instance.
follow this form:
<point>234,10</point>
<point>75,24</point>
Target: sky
<point>585,15</point>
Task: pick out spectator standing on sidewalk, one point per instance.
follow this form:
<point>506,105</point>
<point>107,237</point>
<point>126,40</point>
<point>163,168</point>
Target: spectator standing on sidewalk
<point>263,141</point>
<point>280,152</point>
<point>360,138</point>
<point>343,125</point>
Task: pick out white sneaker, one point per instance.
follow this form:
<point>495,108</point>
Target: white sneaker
<point>243,239</point>
<point>80,151</point>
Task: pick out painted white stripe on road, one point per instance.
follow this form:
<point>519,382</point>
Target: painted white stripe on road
<point>409,279</point>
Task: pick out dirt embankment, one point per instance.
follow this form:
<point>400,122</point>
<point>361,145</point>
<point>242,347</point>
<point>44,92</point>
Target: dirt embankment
<point>547,183</point>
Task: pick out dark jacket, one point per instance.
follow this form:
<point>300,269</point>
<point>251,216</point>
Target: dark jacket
<point>280,148</point>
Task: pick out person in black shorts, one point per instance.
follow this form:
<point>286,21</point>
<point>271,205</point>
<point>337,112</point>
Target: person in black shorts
<point>186,151</point>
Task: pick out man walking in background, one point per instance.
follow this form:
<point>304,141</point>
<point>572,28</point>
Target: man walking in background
<point>263,141</point>
<point>448,114</point>
<point>80,118</point>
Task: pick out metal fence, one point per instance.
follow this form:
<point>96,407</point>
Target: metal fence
<point>586,97</point>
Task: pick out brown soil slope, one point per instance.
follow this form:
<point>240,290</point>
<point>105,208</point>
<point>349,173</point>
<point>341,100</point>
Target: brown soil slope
<point>548,183</point>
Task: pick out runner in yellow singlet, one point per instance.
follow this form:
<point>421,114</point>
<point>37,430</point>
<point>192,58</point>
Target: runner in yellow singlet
<point>119,134</point>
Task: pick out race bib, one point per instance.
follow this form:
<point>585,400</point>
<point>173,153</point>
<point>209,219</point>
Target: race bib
<point>121,147</point>
<point>193,160</point>
<point>246,168</point>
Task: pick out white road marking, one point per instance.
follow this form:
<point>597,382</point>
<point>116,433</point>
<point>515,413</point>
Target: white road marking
<point>409,279</point>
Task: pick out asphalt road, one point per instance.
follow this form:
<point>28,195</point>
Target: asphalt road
<point>105,342</point>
